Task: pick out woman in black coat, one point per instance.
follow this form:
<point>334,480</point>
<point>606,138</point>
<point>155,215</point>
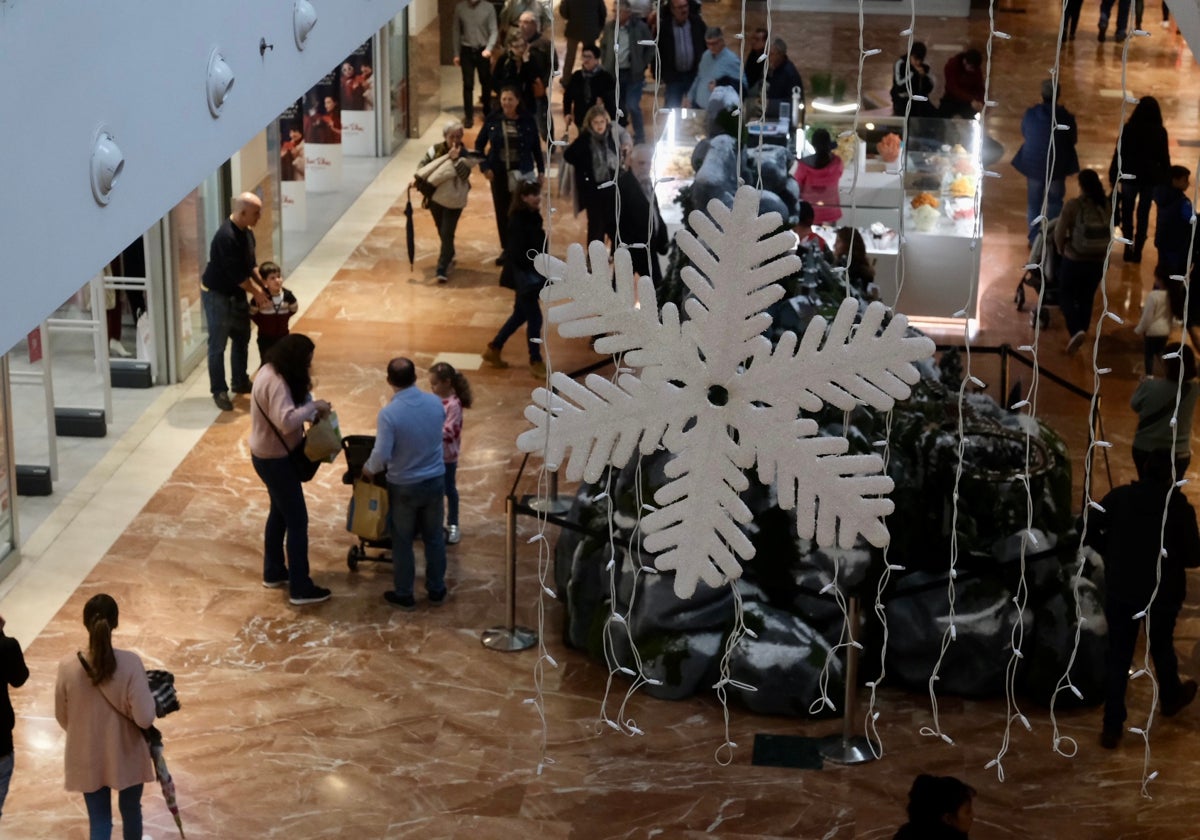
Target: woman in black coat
<point>526,238</point>
<point>596,155</point>
<point>1144,153</point>
<point>511,152</point>
<point>521,69</point>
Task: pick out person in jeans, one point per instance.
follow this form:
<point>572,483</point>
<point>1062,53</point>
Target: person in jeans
<point>512,152</point>
<point>475,36</point>
<point>232,271</point>
<point>102,700</point>
<point>1038,126</point>
<point>280,406</point>
<point>680,46</point>
<point>408,445</point>
<point>12,672</point>
<point>526,232</point>
<point>627,57</point>
<point>448,169</point>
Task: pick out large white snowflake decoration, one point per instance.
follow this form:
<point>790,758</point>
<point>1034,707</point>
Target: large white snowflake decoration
<point>714,392</point>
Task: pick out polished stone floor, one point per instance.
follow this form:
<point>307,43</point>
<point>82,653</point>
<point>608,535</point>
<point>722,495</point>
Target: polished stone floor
<point>351,720</point>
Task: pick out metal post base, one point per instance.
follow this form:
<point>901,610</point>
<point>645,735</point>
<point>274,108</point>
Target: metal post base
<point>508,638</point>
<point>555,506</point>
<point>839,750</point>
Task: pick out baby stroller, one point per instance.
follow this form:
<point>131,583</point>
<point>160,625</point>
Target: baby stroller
<point>357,449</point>
<point>1043,244</point>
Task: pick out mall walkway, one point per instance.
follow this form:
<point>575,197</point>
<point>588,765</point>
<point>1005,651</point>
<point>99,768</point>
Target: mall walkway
<point>349,719</point>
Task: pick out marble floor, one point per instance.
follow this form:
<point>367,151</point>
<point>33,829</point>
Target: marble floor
<point>349,719</point>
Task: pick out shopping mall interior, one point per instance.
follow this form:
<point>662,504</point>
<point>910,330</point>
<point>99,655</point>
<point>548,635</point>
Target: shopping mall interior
<point>352,719</point>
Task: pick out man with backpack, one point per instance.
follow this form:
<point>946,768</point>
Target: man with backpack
<point>1082,236</point>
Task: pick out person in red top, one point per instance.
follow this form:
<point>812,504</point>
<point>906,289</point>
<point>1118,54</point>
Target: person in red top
<point>818,175</point>
<point>964,85</point>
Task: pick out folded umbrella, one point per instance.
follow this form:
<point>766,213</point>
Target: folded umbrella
<point>166,783</point>
<point>409,235</point>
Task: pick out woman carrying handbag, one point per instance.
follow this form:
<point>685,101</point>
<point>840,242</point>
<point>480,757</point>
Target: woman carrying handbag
<point>280,405</point>
<point>102,700</point>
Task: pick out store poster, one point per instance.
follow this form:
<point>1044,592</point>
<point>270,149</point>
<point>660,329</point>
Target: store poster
<point>356,89</point>
<point>291,167</point>
<point>322,120</point>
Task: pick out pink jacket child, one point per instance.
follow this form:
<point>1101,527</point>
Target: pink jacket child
<point>818,175</point>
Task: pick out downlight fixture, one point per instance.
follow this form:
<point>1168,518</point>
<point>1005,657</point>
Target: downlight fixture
<point>108,162</point>
<point>219,83</point>
<point>304,18</point>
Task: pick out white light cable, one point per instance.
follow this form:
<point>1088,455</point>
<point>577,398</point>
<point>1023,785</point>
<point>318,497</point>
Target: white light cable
<point>1029,402</point>
<point>871,715</point>
<point>1064,744</point>
<point>969,378</point>
<point>538,701</point>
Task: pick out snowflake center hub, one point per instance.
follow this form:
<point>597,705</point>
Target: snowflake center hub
<point>718,395</point>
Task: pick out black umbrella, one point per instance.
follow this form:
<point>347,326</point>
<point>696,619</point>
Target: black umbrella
<point>409,235</point>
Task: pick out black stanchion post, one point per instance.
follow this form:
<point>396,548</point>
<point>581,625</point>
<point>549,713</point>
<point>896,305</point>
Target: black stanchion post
<point>849,748</point>
<point>509,637</point>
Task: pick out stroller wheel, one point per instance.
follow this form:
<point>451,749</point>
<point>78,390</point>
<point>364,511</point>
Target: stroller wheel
<point>352,557</point>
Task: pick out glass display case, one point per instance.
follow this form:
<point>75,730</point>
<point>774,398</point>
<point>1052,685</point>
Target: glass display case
<point>942,175</point>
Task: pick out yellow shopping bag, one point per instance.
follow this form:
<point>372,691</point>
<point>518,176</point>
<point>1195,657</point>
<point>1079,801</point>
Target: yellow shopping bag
<point>368,515</point>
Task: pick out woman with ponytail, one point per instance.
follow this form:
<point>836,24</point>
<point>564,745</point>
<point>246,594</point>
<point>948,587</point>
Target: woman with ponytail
<point>103,701</point>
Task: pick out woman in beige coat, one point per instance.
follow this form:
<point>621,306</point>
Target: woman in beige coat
<point>102,699</point>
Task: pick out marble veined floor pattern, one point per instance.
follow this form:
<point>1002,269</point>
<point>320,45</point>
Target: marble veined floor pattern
<point>352,720</point>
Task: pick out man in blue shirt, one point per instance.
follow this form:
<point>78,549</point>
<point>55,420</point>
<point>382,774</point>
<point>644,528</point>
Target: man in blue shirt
<point>408,444</point>
<point>718,63</point>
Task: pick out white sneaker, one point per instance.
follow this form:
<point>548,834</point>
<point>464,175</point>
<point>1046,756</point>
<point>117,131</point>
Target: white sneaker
<point>116,348</point>
<point>453,535</point>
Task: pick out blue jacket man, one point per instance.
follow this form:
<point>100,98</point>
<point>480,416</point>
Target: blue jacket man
<point>1036,127</point>
<point>408,443</point>
<point>717,63</point>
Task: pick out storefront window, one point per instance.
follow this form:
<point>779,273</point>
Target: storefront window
<point>193,222</point>
<point>397,33</point>
<point>7,479</point>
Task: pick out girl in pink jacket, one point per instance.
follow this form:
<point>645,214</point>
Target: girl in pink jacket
<point>818,175</point>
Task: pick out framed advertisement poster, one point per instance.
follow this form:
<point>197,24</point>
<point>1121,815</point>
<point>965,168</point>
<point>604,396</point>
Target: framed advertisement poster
<point>356,89</point>
<point>292,165</point>
<point>322,123</point>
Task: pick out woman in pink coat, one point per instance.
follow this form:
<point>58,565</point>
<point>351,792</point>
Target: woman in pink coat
<point>818,175</point>
<point>103,701</point>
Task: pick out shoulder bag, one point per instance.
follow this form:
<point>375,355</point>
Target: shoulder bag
<point>306,468</point>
